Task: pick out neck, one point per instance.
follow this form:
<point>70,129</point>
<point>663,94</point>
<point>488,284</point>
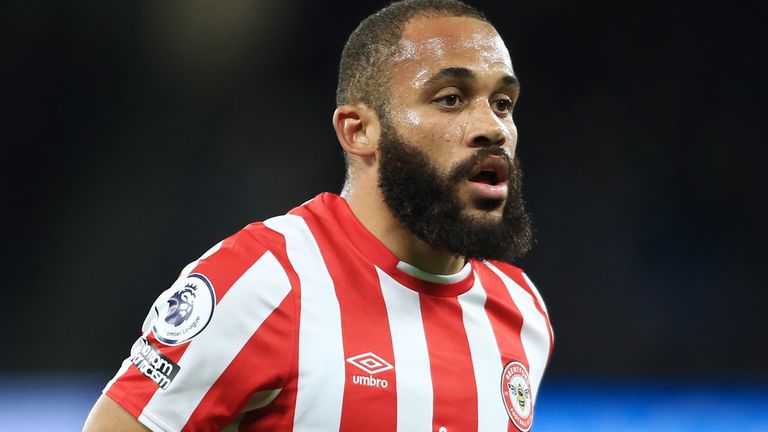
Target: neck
<point>367,204</point>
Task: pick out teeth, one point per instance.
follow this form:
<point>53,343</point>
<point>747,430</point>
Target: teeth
<point>487,177</point>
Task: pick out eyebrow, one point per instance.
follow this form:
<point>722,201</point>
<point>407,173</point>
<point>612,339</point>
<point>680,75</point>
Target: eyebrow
<point>459,72</point>
<point>507,80</point>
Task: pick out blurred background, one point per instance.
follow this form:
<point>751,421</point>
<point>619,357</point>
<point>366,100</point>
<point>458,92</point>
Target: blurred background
<point>138,134</point>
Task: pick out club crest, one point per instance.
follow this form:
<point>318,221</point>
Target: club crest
<point>517,395</point>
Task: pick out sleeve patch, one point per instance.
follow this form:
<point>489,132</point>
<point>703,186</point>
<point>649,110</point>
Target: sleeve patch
<point>153,364</point>
<point>184,311</point>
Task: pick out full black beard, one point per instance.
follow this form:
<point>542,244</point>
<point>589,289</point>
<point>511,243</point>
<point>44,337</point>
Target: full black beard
<point>427,203</point>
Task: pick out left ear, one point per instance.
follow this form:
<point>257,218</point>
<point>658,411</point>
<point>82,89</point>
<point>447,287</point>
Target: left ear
<point>357,128</point>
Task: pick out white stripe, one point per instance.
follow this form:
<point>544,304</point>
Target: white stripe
<point>534,334</point>
<point>414,381</point>
<point>250,300</point>
<point>146,326</point>
<point>155,423</point>
<point>541,302</point>
<point>535,292</point>
<point>486,360</point>
<point>321,351</point>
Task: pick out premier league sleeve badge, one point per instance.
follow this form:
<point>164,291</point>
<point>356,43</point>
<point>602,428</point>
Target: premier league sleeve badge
<point>184,311</point>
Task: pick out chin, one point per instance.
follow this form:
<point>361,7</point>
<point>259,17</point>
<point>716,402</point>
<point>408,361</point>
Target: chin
<point>490,212</point>
<point>479,204</point>
<point>489,205</point>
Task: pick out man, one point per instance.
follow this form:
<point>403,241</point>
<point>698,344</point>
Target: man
<point>391,307</point>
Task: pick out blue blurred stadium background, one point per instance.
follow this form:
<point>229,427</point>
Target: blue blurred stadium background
<point>61,403</point>
<point>141,133</point>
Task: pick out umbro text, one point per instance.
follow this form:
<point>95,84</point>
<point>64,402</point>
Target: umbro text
<point>369,381</point>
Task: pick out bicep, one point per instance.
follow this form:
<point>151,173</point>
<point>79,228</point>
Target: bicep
<point>108,415</point>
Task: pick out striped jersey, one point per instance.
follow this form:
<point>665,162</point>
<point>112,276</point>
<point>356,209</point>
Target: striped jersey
<point>307,322</point>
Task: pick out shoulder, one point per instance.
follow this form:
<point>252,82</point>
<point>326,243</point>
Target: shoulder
<point>230,309</point>
<point>536,308</point>
<point>247,268</point>
<point>520,278</point>
<point>510,270</point>
<point>255,252</point>
<point>513,272</point>
<point>235,254</point>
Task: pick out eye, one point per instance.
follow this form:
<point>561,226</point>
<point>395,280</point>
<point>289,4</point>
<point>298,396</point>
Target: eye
<point>451,100</point>
<point>502,105</point>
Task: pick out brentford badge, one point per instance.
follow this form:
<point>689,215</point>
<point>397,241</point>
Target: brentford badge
<point>516,392</point>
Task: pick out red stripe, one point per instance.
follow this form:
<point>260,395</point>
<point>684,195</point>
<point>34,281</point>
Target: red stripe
<point>280,413</point>
<point>266,362</point>
<point>364,327</point>
<point>133,390</point>
<point>453,379</point>
<point>516,274</point>
<point>505,318</point>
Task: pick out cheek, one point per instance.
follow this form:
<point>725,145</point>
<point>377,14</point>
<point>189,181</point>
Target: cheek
<point>512,129</point>
<point>441,139</point>
<point>419,130</point>
<point>512,134</point>
<point>410,119</point>
<point>438,137</point>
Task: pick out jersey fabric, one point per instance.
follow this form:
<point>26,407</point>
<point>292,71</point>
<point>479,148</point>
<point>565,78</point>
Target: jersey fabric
<point>307,322</point>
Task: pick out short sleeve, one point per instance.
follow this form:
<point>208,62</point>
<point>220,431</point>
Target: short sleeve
<point>221,335</point>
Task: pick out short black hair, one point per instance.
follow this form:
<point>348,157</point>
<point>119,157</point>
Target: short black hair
<point>370,49</point>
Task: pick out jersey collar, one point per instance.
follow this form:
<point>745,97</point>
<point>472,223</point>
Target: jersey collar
<point>376,252</point>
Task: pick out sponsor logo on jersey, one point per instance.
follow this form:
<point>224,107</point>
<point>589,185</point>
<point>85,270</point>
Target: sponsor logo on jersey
<point>153,364</point>
<point>369,381</point>
<point>516,393</point>
<point>186,311</point>
<point>372,364</point>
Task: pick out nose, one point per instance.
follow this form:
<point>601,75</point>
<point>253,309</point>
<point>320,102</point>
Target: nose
<point>485,129</point>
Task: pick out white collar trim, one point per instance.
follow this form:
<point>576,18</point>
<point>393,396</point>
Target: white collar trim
<point>435,278</point>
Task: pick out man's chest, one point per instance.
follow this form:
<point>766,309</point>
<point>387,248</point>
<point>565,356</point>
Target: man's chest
<point>404,360</point>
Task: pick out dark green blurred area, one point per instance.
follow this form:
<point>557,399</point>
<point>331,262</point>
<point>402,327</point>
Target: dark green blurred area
<point>140,134</point>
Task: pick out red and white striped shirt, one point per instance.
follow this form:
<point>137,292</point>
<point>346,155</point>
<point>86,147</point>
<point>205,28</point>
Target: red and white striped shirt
<point>306,322</point>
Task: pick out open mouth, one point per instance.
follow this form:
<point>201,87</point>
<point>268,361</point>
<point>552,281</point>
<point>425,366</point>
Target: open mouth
<point>491,171</point>
<point>487,177</point>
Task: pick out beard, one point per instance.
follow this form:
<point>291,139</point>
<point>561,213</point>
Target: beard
<point>427,203</point>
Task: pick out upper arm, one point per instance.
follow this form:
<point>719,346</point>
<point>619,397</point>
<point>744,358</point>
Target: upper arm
<point>198,366</point>
<point>108,415</point>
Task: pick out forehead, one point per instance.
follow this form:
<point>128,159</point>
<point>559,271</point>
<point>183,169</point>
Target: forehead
<point>431,43</point>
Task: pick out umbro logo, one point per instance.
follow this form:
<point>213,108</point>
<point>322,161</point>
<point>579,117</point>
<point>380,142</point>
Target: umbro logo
<point>370,363</point>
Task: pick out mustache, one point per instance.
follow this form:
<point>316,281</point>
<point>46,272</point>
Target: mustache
<point>462,169</point>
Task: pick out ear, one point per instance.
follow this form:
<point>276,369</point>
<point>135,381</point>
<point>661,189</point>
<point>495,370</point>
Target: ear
<point>357,128</point>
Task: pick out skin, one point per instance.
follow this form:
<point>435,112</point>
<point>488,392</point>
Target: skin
<point>107,415</point>
<point>448,115</point>
<point>453,89</point>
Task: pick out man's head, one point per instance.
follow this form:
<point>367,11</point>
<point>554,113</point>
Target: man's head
<point>425,98</point>
<point>373,47</point>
